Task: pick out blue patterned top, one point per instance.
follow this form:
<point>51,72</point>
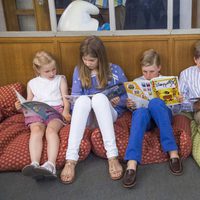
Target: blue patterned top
<point>118,76</point>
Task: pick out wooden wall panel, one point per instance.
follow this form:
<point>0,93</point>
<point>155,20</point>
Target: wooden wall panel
<point>69,55</point>
<point>183,54</point>
<point>16,54</point>
<point>127,54</point>
<point>16,59</point>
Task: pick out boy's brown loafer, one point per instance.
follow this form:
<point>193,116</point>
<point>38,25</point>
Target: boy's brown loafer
<point>176,166</point>
<point>129,179</point>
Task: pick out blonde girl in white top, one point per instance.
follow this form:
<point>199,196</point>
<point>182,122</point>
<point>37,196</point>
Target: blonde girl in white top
<point>50,88</point>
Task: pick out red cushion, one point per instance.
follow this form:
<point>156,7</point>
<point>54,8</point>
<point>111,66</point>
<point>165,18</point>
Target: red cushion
<point>14,140</point>
<point>151,151</point>
<point>1,116</point>
<point>8,98</point>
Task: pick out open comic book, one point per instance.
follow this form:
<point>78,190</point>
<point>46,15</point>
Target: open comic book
<point>165,88</point>
<point>111,92</point>
<point>42,109</point>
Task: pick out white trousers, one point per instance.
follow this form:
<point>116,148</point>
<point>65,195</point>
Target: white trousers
<point>105,114</point>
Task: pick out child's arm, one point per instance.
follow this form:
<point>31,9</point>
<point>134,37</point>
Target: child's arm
<point>29,94</point>
<point>66,104</point>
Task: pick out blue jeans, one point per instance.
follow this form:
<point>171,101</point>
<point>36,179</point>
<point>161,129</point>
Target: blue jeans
<point>145,119</point>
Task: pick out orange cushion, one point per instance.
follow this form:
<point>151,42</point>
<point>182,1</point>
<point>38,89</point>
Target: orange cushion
<point>151,151</point>
<point>14,140</point>
<point>8,98</point>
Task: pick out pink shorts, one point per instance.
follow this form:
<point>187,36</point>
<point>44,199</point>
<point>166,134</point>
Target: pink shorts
<point>36,118</point>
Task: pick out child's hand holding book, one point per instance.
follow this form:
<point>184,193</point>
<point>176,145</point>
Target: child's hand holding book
<point>180,98</point>
<point>67,116</point>
<point>130,104</point>
<point>114,101</point>
<point>18,105</point>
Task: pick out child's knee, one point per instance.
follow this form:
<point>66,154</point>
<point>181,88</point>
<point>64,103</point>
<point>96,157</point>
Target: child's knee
<point>141,113</point>
<point>99,99</point>
<point>82,104</point>
<point>83,100</point>
<point>156,102</point>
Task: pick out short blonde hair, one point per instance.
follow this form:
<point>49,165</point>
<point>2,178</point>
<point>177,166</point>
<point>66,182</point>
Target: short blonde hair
<point>42,58</point>
<point>150,57</point>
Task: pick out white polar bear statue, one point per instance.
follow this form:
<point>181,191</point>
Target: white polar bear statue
<point>76,17</point>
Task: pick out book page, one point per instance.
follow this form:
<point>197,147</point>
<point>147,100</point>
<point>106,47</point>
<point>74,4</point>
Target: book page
<point>31,108</point>
<point>166,88</point>
<point>194,99</point>
<point>111,92</point>
<point>19,97</point>
<point>114,91</point>
<point>135,93</point>
<point>145,86</point>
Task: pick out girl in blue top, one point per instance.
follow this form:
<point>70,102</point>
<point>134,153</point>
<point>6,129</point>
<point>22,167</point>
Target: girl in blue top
<point>91,76</point>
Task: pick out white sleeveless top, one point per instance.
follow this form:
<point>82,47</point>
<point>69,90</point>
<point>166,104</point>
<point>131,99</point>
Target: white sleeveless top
<point>47,91</point>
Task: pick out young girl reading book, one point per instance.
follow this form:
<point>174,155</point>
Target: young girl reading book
<point>49,88</point>
<point>91,76</point>
<point>144,119</point>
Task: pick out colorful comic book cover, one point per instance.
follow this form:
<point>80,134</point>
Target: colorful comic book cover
<point>166,88</point>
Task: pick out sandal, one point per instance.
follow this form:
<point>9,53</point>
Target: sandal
<point>67,175</point>
<point>115,168</point>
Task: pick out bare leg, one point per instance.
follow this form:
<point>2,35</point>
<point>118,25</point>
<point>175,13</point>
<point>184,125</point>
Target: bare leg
<point>53,140</point>
<point>35,142</point>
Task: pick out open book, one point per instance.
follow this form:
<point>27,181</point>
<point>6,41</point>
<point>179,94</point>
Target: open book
<point>45,111</point>
<point>165,88</point>
<point>111,92</point>
<point>194,99</point>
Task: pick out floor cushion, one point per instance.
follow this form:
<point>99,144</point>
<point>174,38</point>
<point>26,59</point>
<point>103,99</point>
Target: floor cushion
<point>151,151</point>
<point>14,140</point>
<point>1,116</point>
<point>8,98</point>
<point>195,141</point>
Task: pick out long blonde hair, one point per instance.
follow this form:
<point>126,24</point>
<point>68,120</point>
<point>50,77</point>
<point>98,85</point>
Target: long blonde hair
<point>95,48</point>
<point>42,58</point>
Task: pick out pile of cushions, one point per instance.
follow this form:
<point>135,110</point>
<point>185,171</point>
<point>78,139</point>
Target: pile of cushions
<point>196,141</point>
<point>151,151</point>
<point>14,137</point>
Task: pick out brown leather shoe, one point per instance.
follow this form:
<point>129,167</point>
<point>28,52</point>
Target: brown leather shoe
<point>175,166</point>
<point>129,179</point>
